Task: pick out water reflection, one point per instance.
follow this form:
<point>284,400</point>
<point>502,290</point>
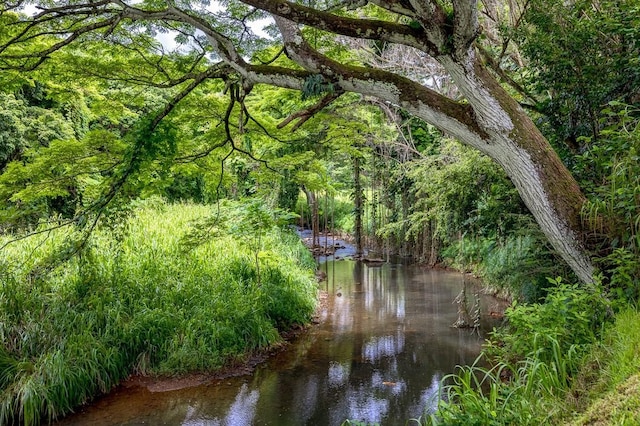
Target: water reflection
<point>379,355</point>
<point>243,409</point>
<point>385,346</point>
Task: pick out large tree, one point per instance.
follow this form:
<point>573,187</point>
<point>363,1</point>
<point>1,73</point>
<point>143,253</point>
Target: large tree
<point>483,114</point>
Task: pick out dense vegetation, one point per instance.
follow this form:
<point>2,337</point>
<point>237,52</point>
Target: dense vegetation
<point>132,204</point>
<point>141,299</point>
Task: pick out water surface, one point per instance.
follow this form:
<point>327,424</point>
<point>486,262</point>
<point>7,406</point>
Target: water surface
<point>384,343</point>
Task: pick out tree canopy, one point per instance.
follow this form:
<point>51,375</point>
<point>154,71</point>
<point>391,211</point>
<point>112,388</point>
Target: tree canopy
<point>322,48</point>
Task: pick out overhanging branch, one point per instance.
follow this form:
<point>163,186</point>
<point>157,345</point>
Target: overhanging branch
<point>454,118</point>
<point>359,28</point>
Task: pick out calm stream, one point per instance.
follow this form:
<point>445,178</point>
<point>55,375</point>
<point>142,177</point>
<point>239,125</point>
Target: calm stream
<point>384,343</point>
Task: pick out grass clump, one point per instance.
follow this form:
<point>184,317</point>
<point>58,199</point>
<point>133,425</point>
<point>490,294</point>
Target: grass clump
<point>140,302</point>
<point>533,363</point>
<point>522,393</point>
<point>607,389</point>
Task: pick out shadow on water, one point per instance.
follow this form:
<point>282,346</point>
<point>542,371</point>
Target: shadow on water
<point>379,353</point>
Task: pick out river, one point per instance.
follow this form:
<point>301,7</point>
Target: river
<point>382,346</point>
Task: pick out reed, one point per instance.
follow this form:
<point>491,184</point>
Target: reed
<point>139,303</point>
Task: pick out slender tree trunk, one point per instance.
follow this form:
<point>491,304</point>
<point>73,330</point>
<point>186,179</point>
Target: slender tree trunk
<point>301,216</point>
<point>325,226</point>
<point>358,201</point>
<point>425,246</point>
<point>434,246</point>
<point>333,222</point>
<point>313,207</point>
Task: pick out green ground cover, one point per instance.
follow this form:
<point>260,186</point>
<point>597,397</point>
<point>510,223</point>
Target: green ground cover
<point>569,375</point>
<point>138,300</point>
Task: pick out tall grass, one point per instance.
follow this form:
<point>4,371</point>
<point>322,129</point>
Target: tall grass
<point>515,265</point>
<point>528,392</point>
<point>140,303</point>
<point>535,362</point>
<point>607,388</point>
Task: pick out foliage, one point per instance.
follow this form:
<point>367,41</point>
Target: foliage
<point>613,207</point>
<point>515,265</point>
<point>538,358</point>
<point>474,213</point>
<point>568,386</point>
<point>142,304</point>
<point>69,169</point>
<point>336,210</point>
<point>23,125</point>
<point>463,190</point>
<point>315,85</point>
<point>70,141</point>
<point>569,315</point>
<point>582,55</point>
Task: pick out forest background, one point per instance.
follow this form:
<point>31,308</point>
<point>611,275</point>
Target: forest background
<point>104,131</point>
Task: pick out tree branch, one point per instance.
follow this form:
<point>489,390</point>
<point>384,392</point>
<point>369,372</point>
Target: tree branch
<point>465,25</point>
<point>452,117</point>
<point>359,28</point>
<point>210,73</point>
<point>42,55</point>
<point>304,115</point>
<point>433,20</point>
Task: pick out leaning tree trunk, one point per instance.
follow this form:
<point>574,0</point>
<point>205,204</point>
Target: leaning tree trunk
<point>511,139</point>
<point>490,120</point>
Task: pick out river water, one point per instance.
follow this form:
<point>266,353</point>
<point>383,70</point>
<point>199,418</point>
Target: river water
<point>383,344</point>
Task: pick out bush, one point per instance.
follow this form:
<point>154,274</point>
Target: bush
<point>571,315</point>
<point>539,354</point>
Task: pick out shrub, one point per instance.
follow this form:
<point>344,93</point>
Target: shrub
<point>515,264</point>
<point>570,315</point>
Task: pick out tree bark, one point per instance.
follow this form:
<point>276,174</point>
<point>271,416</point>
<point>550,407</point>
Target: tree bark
<point>514,142</point>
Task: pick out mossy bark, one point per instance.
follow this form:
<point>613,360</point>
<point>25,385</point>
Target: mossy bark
<point>545,185</point>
